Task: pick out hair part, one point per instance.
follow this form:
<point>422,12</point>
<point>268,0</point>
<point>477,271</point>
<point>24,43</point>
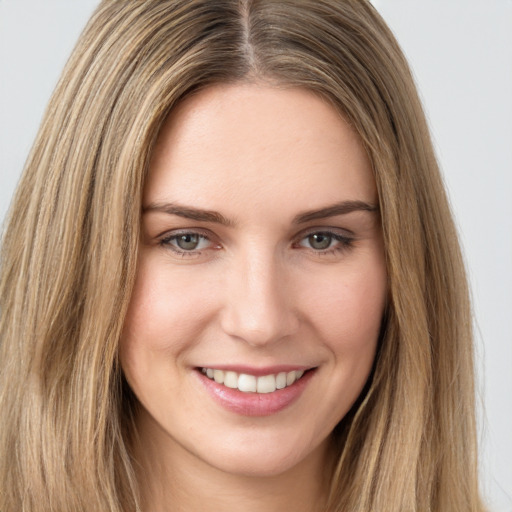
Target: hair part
<point>69,253</point>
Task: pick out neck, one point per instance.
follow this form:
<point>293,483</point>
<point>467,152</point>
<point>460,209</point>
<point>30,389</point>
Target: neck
<point>174,480</point>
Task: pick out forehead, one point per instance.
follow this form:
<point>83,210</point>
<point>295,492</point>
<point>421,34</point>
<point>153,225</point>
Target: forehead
<point>237,146</point>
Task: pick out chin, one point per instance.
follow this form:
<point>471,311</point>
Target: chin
<point>265,460</point>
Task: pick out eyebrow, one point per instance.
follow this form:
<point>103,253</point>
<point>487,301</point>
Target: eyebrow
<point>341,208</point>
<point>189,212</point>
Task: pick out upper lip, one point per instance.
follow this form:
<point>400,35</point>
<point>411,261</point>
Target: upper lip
<point>258,371</point>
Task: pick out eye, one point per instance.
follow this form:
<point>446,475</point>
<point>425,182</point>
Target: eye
<point>319,241</point>
<point>325,241</point>
<point>186,242</point>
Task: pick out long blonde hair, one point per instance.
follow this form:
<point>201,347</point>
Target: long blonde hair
<point>70,251</point>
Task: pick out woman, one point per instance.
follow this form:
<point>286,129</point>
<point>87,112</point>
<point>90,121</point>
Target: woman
<point>230,274</point>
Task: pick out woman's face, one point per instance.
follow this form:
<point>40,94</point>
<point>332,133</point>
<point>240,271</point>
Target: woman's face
<point>261,283</point>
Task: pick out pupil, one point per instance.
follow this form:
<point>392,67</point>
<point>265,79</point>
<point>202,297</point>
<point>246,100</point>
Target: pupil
<point>188,242</point>
<point>320,241</point>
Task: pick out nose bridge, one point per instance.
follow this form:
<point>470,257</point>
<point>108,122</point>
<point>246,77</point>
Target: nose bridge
<point>257,308</point>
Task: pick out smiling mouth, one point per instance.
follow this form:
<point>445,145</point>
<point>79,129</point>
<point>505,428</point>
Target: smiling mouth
<point>250,383</point>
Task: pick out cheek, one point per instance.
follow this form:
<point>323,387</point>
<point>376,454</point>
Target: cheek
<point>347,315</point>
<point>349,308</point>
<point>167,308</point>
<point>166,317</point>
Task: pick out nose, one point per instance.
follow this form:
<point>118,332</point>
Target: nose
<point>258,301</point>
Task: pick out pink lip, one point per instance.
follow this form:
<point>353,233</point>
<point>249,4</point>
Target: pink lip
<point>255,404</point>
<point>258,371</point>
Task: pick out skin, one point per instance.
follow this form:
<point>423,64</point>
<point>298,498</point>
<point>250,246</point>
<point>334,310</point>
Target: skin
<point>256,291</point>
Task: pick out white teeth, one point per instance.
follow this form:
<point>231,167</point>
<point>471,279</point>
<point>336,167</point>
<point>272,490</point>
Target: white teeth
<point>247,383</point>
<point>231,380</point>
<point>281,380</point>
<point>251,384</point>
<point>266,384</point>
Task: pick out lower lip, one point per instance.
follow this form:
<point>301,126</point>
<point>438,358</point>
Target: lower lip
<point>255,404</point>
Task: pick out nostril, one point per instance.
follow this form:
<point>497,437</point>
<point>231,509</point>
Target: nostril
<point>258,324</point>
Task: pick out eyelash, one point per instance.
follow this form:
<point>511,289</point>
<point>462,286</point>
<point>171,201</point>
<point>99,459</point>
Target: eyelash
<point>344,242</point>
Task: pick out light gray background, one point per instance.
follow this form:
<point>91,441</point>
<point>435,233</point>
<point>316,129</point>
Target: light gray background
<point>461,54</point>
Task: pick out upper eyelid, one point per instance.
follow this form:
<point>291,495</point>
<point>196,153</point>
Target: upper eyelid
<point>346,233</point>
<point>170,233</point>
